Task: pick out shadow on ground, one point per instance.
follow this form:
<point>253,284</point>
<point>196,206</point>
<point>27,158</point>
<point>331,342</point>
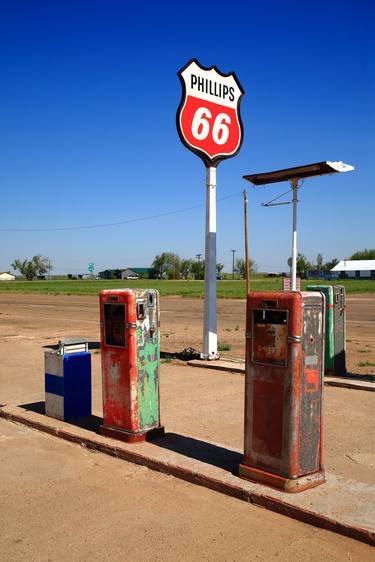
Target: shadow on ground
<point>208,453</point>
<point>187,354</point>
<point>191,447</point>
<point>91,423</point>
<point>356,377</point>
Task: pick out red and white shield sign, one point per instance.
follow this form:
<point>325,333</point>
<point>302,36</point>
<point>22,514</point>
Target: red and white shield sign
<point>208,117</point>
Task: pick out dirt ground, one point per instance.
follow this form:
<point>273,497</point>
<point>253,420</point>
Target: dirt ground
<point>60,502</point>
<point>181,323</point>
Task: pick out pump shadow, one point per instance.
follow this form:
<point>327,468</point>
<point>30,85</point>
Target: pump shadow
<point>208,453</point>
<point>191,447</point>
<point>91,423</point>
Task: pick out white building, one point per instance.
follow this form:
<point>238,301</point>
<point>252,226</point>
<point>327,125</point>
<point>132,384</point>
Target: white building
<point>5,276</point>
<point>355,269</point>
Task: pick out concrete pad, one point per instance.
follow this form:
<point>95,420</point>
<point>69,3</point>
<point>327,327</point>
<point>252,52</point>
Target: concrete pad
<point>239,367</point>
<point>219,365</point>
<point>343,506</point>
<point>349,383</point>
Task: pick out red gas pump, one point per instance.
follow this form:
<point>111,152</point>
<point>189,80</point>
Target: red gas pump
<point>283,389</point>
<point>130,352</point>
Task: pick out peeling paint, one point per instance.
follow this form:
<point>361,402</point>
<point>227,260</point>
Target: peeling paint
<point>283,386</point>
<point>131,372</point>
<point>148,358</point>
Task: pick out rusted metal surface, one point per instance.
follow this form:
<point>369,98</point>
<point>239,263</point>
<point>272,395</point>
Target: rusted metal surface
<point>335,327</point>
<point>130,342</point>
<point>283,389</point>
<point>329,324</point>
<point>339,308</point>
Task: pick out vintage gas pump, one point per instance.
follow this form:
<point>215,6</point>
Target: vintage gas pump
<point>335,344</point>
<point>283,389</point>
<point>130,350</point>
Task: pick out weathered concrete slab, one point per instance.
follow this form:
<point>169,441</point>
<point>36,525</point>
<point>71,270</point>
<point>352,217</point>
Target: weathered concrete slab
<point>220,365</point>
<point>343,506</point>
<point>350,383</point>
<point>239,367</point>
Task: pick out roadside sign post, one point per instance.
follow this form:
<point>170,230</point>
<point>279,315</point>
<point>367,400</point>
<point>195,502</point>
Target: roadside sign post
<point>289,262</point>
<point>210,321</point>
<point>209,123</point>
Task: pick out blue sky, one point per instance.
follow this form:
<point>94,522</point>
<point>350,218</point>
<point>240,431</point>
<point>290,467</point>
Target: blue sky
<point>87,109</point>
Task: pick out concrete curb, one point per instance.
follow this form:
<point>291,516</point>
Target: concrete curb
<point>351,514</point>
<point>349,383</point>
<point>238,367</point>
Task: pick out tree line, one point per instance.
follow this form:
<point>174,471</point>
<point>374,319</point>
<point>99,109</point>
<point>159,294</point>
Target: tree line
<point>32,268</point>
<point>169,265</point>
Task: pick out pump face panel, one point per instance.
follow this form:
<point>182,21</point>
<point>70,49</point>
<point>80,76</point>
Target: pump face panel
<point>114,325</point>
<point>270,331</point>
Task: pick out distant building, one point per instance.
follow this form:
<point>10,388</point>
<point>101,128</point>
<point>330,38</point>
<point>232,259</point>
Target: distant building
<point>320,275</point>
<point>111,274</point>
<point>5,276</point>
<point>144,272</point>
<point>128,273</point>
<point>355,269</point>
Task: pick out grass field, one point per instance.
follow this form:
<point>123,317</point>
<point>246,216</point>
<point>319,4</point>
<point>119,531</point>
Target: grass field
<point>225,289</point>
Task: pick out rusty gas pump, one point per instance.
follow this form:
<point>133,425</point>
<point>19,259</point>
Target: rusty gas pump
<point>284,389</point>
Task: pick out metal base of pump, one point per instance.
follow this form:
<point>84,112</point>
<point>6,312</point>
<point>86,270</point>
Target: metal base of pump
<point>131,437</point>
<point>292,486</point>
<point>213,357</point>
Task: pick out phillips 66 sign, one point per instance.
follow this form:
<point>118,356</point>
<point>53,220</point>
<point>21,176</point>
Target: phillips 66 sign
<point>208,117</point>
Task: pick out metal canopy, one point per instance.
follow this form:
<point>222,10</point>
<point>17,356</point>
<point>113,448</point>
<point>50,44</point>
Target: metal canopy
<point>299,172</point>
<point>294,175</point>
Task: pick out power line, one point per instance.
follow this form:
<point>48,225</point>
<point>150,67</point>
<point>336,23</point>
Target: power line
<point>272,204</point>
<point>108,224</point>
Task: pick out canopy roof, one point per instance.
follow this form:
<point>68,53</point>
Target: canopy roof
<point>355,265</point>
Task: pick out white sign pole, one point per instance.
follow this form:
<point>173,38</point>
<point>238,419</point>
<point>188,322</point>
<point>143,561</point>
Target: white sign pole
<point>210,322</point>
<point>209,123</point>
<point>293,283</point>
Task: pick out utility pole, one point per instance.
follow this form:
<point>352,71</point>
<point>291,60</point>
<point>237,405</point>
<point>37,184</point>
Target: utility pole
<point>247,262</point>
<point>233,251</point>
<point>293,282</point>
